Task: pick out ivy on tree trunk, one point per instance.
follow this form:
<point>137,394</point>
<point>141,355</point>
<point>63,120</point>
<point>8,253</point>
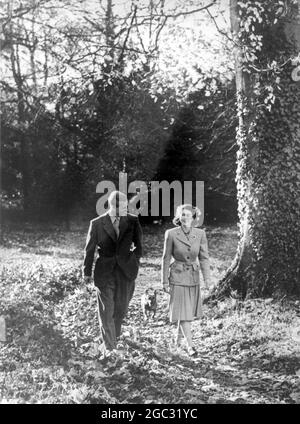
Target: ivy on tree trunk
<point>267,38</point>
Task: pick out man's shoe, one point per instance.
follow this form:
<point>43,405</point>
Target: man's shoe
<point>104,352</point>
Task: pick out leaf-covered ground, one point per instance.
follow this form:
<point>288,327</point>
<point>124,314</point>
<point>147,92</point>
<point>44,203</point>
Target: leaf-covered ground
<point>249,352</point>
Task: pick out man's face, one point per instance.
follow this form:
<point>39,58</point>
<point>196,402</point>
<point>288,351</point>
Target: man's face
<point>119,206</point>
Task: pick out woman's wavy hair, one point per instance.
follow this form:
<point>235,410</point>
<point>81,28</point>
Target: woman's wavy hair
<point>195,211</point>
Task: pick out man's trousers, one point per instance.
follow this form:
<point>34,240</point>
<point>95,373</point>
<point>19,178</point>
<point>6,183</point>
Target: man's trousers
<point>113,298</point>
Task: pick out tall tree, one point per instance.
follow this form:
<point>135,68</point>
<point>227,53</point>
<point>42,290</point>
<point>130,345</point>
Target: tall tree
<point>267,37</point>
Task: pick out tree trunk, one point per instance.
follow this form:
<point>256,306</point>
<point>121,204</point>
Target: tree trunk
<point>15,64</point>
<point>268,161</point>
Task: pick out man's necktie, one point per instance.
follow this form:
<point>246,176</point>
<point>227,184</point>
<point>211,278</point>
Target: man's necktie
<point>116,225</point>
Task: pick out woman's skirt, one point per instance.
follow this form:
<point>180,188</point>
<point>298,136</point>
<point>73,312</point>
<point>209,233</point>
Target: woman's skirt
<point>185,303</point>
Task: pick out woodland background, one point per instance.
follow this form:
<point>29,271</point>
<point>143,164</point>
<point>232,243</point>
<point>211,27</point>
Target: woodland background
<point>91,88</point>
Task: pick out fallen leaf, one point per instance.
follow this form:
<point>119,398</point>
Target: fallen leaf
<point>208,387</point>
<point>296,397</point>
<point>78,396</point>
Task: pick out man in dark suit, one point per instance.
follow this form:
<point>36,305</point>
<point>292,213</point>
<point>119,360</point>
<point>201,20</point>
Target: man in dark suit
<point>118,236</point>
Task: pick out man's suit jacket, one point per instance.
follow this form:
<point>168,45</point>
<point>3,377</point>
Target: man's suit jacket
<point>113,251</point>
<point>188,257</point>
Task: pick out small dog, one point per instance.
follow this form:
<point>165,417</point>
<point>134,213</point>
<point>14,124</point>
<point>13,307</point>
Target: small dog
<point>149,303</point>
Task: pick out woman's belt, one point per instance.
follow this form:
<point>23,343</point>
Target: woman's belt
<point>193,265</point>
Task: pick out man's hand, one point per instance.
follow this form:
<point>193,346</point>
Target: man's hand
<point>88,283</point>
<point>87,279</point>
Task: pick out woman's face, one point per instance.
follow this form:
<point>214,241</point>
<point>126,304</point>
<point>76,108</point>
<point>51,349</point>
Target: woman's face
<point>186,217</point>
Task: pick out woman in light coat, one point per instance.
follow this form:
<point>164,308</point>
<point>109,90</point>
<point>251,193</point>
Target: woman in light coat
<point>187,246</point>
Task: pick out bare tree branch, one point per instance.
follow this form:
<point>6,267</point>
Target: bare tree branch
<point>189,12</point>
<point>219,29</point>
<point>20,11</point>
<point>140,37</point>
<point>158,34</point>
<point>127,35</point>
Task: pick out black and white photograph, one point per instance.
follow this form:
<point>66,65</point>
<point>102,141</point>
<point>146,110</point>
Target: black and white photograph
<point>150,205</point>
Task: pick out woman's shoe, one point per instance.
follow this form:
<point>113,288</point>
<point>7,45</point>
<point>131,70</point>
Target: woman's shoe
<point>192,352</point>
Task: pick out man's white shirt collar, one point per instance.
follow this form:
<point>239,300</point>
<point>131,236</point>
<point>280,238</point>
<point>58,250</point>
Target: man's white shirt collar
<point>113,215</point>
